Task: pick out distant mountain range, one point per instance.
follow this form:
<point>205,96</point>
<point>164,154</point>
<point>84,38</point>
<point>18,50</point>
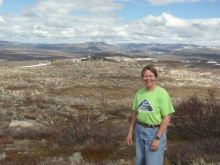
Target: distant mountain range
<point>152,49</point>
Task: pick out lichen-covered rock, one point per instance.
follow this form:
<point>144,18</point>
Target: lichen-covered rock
<point>76,158</point>
<point>103,117</point>
<point>21,121</point>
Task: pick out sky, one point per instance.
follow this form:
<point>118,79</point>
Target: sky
<point>111,21</point>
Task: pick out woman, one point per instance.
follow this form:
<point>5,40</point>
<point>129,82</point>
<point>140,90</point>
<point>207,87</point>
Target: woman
<point>152,108</point>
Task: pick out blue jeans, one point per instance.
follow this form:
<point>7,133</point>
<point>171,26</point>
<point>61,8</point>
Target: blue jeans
<point>143,139</point>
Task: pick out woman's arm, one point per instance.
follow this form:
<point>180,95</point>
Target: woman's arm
<point>163,127</point>
<point>133,121</point>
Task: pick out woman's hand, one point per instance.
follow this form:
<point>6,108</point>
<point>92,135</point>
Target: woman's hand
<point>155,145</point>
<point>133,121</point>
<point>129,139</point>
<point>163,127</point>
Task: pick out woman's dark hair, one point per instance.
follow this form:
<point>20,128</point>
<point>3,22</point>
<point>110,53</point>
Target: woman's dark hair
<point>151,68</point>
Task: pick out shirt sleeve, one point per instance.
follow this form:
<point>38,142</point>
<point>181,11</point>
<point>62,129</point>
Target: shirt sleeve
<point>135,103</point>
<point>166,106</point>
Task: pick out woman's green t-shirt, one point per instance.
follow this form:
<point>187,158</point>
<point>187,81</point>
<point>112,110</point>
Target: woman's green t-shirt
<point>152,106</point>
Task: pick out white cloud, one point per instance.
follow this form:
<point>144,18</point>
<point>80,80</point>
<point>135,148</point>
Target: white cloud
<point>27,12</point>
<point>165,2</point>
<point>154,21</point>
<point>198,31</point>
<point>1,19</point>
<point>67,21</point>
<point>1,2</point>
<point>166,20</point>
<point>66,6</point>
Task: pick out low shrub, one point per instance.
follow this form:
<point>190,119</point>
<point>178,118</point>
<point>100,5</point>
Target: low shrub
<point>85,130</point>
<point>188,153</point>
<point>197,118</point>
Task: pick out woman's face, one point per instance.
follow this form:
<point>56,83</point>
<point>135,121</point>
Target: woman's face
<point>149,78</point>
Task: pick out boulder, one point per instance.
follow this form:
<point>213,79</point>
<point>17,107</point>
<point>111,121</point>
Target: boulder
<point>76,158</point>
<point>21,121</point>
<point>103,117</point>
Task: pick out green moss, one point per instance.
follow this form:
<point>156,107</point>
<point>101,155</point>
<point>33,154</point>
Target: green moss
<point>56,152</point>
<point>113,152</point>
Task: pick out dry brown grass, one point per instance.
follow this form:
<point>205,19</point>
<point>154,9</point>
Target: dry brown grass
<point>33,133</point>
<point>4,139</point>
<point>19,158</point>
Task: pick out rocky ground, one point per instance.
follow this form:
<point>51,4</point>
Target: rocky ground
<point>48,93</point>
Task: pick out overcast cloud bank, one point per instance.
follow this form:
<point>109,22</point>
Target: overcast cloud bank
<point>78,21</point>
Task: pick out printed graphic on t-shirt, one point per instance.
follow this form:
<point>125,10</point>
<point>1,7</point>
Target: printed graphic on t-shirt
<point>145,106</point>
